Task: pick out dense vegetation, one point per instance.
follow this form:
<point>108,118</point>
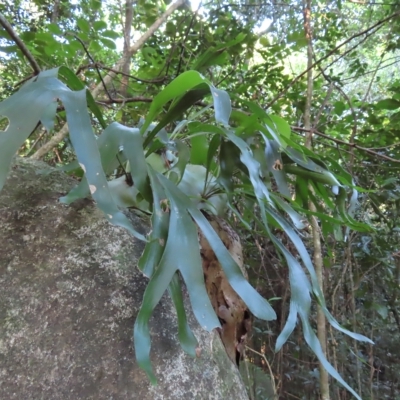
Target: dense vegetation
<point>293,106</point>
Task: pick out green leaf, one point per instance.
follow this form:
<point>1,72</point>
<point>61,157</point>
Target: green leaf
<point>280,126</point>
<point>95,46</point>
<point>216,55</point>
<point>228,160</point>
<point>110,34</point>
<point>119,138</point>
<point>253,166</point>
<point>154,249</point>
<point>297,219</point>
<point>108,43</point>
<point>186,89</point>
<point>175,112</point>
<point>85,146</point>
<point>46,37</point>
<point>54,29</point>
<point>315,176</point>
<point>83,25</point>
<point>349,221</point>
<point>257,304</point>
<point>315,346</point>
<point>305,257</point>
<point>73,46</point>
<point>183,154</point>
<point>301,190</point>
<point>275,164</point>
<point>186,338</point>
<point>388,104</point>
<point>76,84</point>
<point>47,118</point>
<point>199,149</point>
<point>95,4</point>
<point>339,107</point>
<point>184,242</point>
<point>212,149</point>
<point>151,257</point>
<point>34,98</point>
<point>99,25</point>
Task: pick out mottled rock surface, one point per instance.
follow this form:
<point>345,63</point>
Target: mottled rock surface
<point>69,294</point>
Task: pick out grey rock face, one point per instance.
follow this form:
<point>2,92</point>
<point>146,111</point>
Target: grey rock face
<point>69,294</point>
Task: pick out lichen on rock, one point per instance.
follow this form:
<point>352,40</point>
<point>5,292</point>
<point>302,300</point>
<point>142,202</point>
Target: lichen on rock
<point>69,294</point>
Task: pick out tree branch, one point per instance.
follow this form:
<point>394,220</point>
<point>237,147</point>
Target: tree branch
<point>352,145</point>
<point>62,133</point>
<point>6,25</point>
<point>136,99</point>
<point>93,62</point>
<point>365,31</point>
<point>134,48</point>
<point>101,66</point>
<point>127,44</point>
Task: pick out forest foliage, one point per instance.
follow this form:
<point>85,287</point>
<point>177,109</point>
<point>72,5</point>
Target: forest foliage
<point>299,128</point>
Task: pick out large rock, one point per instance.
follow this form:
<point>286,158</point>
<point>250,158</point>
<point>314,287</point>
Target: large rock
<point>69,294</point>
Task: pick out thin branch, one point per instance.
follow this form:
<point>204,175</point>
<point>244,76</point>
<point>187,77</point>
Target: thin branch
<point>350,49</point>
<point>365,31</point>
<point>127,44</point>
<point>323,105</point>
<point>35,143</point>
<point>186,34</point>
<point>315,229</point>
<point>62,133</point>
<point>372,79</point>
<point>136,99</point>
<point>339,141</point>
<point>6,25</point>
<point>353,113</point>
<point>134,48</point>
<point>268,365</point>
<point>94,63</point>
<point>372,71</point>
<point>101,66</point>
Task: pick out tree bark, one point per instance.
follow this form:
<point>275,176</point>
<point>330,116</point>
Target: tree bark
<point>127,45</point>
<point>318,260</point>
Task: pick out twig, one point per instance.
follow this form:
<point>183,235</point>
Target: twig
<point>35,142</point>
<point>356,146</point>
<point>350,49</point>
<point>101,66</point>
<point>190,25</point>
<point>268,365</point>
<point>365,31</point>
<point>323,105</point>
<point>94,63</point>
<point>6,25</point>
<point>140,42</point>
<point>353,113</point>
<point>127,28</point>
<point>372,71</point>
<point>127,100</point>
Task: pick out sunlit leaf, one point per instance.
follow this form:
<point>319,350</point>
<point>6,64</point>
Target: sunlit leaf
<point>185,243</point>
